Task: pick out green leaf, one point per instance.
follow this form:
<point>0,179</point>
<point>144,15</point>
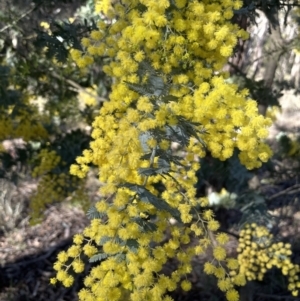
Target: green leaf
<point>63,35</point>
<point>147,171</point>
<point>145,225</point>
<point>115,239</point>
<point>120,257</point>
<point>163,168</point>
<point>98,257</point>
<point>141,89</point>
<point>162,205</point>
<point>184,130</point>
<point>178,134</point>
<point>145,68</point>
<point>104,239</point>
<point>93,213</point>
<point>254,209</point>
<point>118,240</point>
<point>165,155</point>
<point>144,137</point>
<point>147,197</point>
<point>156,85</point>
<point>147,156</point>
<point>132,244</point>
<point>163,164</point>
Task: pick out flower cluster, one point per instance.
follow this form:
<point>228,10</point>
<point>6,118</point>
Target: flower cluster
<point>177,47</point>
<point>49,184</point>
<point>73,253</point>
<point>53,183</point>
<point>23,125</point>
<point>48,160</point>
<point>258,253</point>
<point>166,60</point>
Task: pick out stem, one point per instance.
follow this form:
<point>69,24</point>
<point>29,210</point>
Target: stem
<point>77,87</point>
<point>21,17</point>
<point>151,164</point>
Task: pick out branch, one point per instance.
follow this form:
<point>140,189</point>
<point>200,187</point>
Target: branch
<point>78,87</point>
<point>291,190</point>
<point>21,17</point>
<point>229,232</point>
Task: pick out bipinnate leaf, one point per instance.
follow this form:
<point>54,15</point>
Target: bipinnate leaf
<point>148,197</point>
<point>165,155</point>
<point>104,239</point>
<point>120,257</point>
<point>93,213</point>
<point>132,244</point>
<point>163,168</point>
<point>146,225</point>
<point>98,257</point>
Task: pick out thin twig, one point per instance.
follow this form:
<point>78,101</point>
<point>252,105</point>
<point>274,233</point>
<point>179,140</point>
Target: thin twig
<point>229,233</point>
<point>78,87</point>
<point>291,190</point>
<point>18,19</point>
<point>151,164</point>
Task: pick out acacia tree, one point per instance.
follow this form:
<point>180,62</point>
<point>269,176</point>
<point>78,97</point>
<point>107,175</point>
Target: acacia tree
<point>166,62</point>
<point>167,59</point>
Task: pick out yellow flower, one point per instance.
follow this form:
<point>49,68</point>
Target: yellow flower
<point>209,268</point>
<point>67,282</point>
<point>240,279</point>
<point>57,266</point>
<point>232,295</point>
<point>45,25</point>
<point>180,3</point>
<point>219,253</point>
<point>74,251</point>
<point>114,294</point>
<point>232,263</point>
<point>226,51</point>
<point>228,14</point>
<point>224,284</point>
<point>161,21</point>
<point>222,238</point>
<point>295,293</point>
<point>213,225</point>
<point>182,79</point>
<point>139,56</point>
<point>96,35</point>
<point>85,42</point>
<point>208,214</point>
<point>78,266</point>
<point>61,275</point>
<point>53,280</point>
<point>78,239</point>
<point>101,206</point>
<point>62,257</point>
<point>143,279</point>
<point>219,272</point>
<point>186,285</point>
<point>89,250</point>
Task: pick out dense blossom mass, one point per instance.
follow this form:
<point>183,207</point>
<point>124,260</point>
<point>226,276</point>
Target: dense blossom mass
<point>166,59</point>
<point>258,253</point>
